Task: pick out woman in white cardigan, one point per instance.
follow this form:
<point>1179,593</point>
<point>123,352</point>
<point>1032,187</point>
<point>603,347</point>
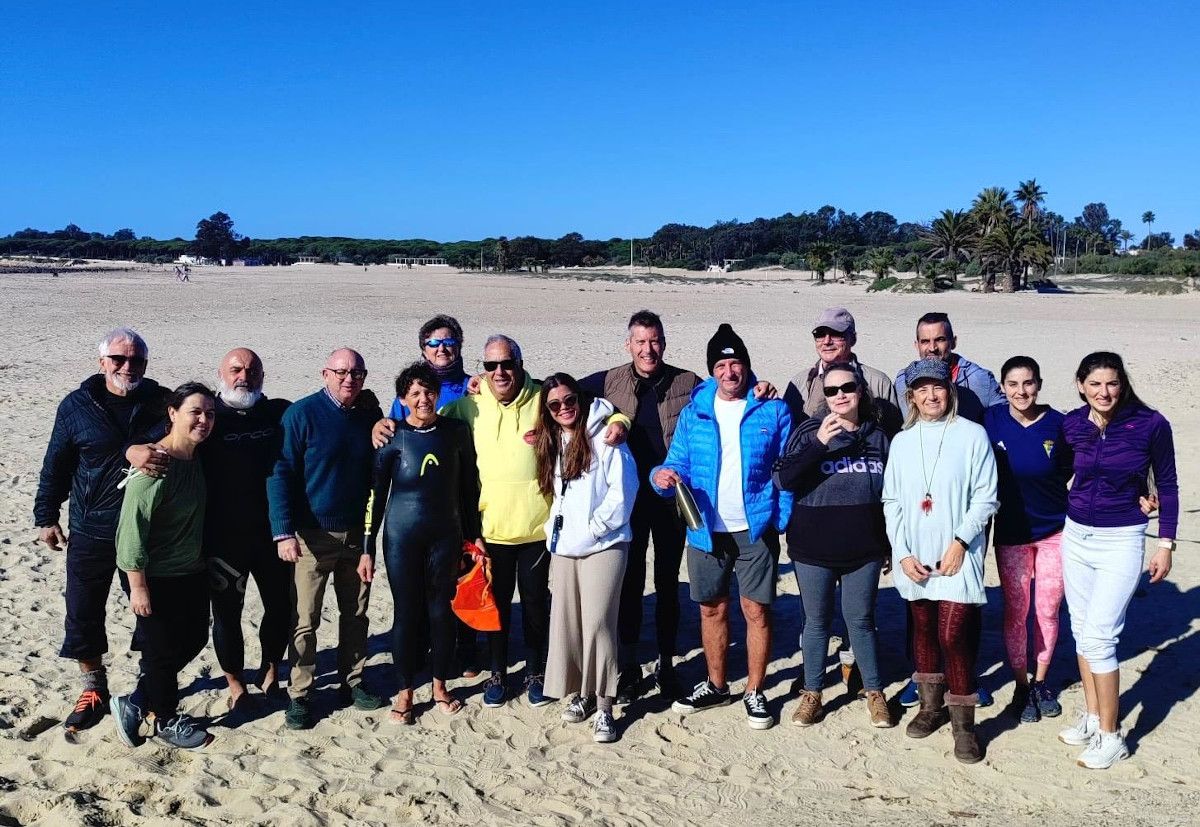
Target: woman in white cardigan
<point>939,492</point>
<point>594,486</point>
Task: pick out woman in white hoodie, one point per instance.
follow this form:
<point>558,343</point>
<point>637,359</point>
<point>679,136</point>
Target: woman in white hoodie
<point>594,486</point>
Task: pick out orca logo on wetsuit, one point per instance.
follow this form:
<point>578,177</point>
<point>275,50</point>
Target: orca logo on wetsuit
<point>260,434</point>
<point>429,459</point>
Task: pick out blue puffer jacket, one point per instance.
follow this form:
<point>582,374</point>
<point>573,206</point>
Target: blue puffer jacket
<point>695,455</point>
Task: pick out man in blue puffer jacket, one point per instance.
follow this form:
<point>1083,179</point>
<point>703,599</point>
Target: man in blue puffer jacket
<point>724,447</point>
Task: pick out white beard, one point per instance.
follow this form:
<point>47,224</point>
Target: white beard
<point>121,383</point>
<point>239,398</point>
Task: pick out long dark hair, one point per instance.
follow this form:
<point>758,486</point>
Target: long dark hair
<point>868,411</point>
<point>548,436</point>
<point>1106,360</point>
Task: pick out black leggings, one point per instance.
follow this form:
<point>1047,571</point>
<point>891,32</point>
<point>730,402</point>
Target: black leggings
<point>422,564</point>
<point>173,634</point>
<point>526,565</point>
<point>230,566</point>
<point>653,516</point>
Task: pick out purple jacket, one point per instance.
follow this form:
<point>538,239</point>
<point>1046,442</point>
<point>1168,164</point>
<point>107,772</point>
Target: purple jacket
<point>1111,468</point>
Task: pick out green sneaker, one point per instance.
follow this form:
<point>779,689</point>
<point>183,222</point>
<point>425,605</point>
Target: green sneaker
<point>360,698</point>
<point>299,714</point>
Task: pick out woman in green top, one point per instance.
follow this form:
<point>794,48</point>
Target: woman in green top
<point>158,545</point>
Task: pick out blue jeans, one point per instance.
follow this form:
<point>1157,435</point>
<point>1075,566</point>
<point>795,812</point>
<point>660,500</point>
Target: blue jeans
<point>859,587</point>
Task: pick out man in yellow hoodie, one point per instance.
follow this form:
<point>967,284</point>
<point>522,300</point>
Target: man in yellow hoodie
<point>502,416</point>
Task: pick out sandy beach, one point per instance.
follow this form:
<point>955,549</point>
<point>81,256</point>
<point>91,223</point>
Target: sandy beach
<point>521,765</point>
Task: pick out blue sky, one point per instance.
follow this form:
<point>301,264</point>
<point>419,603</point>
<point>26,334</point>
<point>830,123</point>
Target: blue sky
<point>462,120</point>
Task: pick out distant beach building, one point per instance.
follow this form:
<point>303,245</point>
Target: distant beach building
<point>307,259</point>
<point>193,261</point>
<point>417,261</point>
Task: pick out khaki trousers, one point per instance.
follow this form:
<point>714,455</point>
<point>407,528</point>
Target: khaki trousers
<point>583,623</point>
<point>324,553</point>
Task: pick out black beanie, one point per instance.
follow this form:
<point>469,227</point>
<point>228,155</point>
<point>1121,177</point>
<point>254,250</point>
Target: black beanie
<point>725,344</point>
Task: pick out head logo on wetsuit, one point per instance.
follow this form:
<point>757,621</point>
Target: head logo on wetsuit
<point>429,459</point>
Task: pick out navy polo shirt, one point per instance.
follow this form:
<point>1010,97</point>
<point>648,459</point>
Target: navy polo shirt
<point>1034,465</point>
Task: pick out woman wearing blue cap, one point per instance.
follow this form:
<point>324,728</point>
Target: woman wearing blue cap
<point>939,492</point>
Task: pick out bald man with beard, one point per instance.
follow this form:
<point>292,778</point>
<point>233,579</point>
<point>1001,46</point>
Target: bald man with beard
<point>238,458</point>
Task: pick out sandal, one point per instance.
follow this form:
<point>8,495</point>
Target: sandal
<point>405,717</point>
<point>448,706</point>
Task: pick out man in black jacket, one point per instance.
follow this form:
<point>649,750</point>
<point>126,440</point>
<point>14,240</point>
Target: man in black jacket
<point>85,461</point>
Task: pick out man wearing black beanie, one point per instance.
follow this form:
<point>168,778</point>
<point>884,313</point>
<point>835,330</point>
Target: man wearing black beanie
<point>725,445</point>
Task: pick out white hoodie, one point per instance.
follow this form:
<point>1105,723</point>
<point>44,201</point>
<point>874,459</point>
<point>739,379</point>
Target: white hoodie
<point>596,507</point>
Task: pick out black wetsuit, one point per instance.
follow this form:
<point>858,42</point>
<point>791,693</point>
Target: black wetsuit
<point>238,457</point>
<point>433,505</point>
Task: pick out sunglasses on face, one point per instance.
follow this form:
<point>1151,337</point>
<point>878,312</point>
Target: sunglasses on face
<point>134,361</point>
<point>358,374</point>
<point>450,342</point>
<point>503,364</point>
<point>834,390</point>
<point>556,405</point>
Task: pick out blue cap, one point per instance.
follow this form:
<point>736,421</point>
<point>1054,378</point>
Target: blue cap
<point>934,369</point>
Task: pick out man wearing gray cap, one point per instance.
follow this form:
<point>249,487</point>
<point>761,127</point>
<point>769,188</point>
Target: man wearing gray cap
<point>834,337</point>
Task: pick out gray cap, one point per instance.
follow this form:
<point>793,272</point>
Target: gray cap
<point>837,319</point>
<point>927,369</point>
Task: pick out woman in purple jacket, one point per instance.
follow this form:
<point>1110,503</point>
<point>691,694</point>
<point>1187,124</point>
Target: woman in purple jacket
<point>1116,440</point>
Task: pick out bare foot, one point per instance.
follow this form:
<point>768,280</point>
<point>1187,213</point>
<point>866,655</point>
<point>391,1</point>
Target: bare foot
<point>269,682</point>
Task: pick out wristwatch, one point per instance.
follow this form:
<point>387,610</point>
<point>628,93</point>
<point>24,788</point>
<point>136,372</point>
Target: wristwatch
<point>1167,545</point>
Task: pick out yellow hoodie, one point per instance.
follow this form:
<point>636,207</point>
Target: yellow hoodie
<point>513,508</point>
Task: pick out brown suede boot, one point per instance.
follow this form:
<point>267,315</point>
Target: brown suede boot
<point>932,688</point>
<point>962,724</point>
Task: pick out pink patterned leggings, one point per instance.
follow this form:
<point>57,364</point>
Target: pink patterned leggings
<point>1018,566</point>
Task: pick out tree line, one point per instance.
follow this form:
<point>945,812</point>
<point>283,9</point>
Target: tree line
<point>1006,238</point>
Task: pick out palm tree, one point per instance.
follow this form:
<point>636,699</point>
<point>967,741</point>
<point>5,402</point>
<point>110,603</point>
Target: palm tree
<point>991,208</point>
<point>1011,247</point>
<point>1031,196</point>
<point>949,237</point>
<point>1148,219</point>
<point>1125,237</point>
<point>818,257</point>
<point>880,261</point>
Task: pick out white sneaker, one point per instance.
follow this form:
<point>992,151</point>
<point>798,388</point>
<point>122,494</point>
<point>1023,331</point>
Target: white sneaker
<point>1104,750</point>
<point>604,729</point>
<point>1080,733</point>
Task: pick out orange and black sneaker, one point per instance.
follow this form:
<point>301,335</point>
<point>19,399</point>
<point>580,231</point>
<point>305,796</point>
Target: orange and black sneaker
<point>89,709</point>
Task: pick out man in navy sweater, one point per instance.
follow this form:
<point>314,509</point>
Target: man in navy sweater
<point>318,495</point>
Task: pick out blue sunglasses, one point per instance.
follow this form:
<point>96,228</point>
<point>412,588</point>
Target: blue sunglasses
<point>451,342</point>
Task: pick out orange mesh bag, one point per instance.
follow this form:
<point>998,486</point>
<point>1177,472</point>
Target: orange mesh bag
<point>474,602</point>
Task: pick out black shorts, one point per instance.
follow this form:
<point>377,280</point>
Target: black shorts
<point>90,567</point>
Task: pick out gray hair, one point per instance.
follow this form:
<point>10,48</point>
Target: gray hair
<point>513,347</point>
<point>124,334</point>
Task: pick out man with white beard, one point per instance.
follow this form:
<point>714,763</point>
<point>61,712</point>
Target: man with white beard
<point>92,427</point>
<point>238,457</point>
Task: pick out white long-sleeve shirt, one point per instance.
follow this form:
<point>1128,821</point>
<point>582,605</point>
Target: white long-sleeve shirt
<point>962,484</point>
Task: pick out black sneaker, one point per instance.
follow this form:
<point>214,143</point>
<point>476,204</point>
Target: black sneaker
<point>299,714</point>
<point>360,698</point>
<point>128,720</point>
<point>757,714</point>
<point>667,682</point>
<point>89,709</point>
<point>183,732</point>
<point>704,696</point>
<point>629,686</point>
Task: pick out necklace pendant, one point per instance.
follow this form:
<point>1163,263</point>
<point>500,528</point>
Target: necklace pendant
<point>927,504</point>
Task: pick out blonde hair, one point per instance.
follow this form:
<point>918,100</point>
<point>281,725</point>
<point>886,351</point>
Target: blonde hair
<point>913,414</point>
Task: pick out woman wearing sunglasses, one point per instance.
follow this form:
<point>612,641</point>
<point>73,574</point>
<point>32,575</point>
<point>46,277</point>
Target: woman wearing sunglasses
<point>593,486</point>
<point>834,465</point>
<point>939,491</point>
<point>440,340</point>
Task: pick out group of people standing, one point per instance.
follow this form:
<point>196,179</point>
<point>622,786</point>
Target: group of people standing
<point>563,483</point>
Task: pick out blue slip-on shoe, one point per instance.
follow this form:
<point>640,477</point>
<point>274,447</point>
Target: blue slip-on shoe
<point>494,692</point>
<point>908,696</point>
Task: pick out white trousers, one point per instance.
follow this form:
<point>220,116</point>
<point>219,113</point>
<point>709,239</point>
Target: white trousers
<point>1101,570</point>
